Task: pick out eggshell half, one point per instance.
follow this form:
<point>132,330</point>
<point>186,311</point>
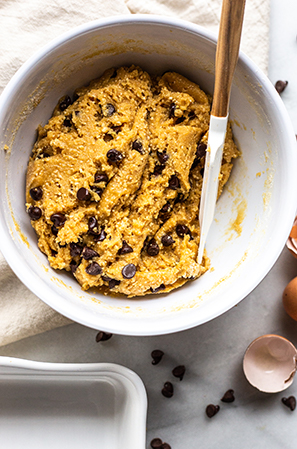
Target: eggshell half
<point>269,363</point>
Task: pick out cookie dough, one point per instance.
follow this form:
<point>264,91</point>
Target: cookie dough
<point>114,181</point>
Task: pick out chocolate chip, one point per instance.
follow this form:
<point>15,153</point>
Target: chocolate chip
<point>179,198</point>
<point>103,336</point>
<point>156,443</point>
<point>201,150</point>
<point>109,109</point>
<point>34,213</point>
<point>165,446</point>
<point>111,282</point>
<point>54,230</point>
<point>92,223</point>
<point>182,229</point>
<point>97,190</point>
<point>228,396</point>
<point>174,183</point>
<point>75,249</point>
<point>88,253</point>
<point>290,402</point>
<point>58,219</point>
<point>158,169</point>
<point>116,129</point>
<point>167,240</point>
<point>83,194</point>
<point>114,156</point>
<point>129,271</point>
<point>36,193</point>
<point>162,156</point>
<point>65,103</point>
<point>179,371</point>
<point>167,390</point>
<point>164,213</point>
<point>100,177</point>
<point>137,145</point>
<point>158,289</point>
<point>107,137</point>
<point>157,355</point>
<point>191,115</point>
<point>67,122</point>
<point>101,236</point>
<point>152,248</point>
<point>73,266</point>
<point>212,410</point>
<point>125,249</point>
<point>94,269</point>
<point>179,120</point>
<point>172,110</point>
<point>280,86</point>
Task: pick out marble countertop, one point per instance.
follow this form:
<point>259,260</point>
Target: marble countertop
<point>212,353</point>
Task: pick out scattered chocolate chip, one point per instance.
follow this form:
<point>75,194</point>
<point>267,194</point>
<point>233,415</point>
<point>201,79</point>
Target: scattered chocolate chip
<point>94,269</point>
<point>191,115</point>
<point>67,122</point>
<point>157,355</point>
<point>137,145</point>
<point>114,156</point>
<point>164,213</point>
<point>107,137</point>
<point>152,248</point>
<point>109,109</point>
<point>58,219</point>
<point>88,253</point>
<point>167,390</point>
<point>156,443</point>
<point>129,271</point>
<point>100,177</point>
<point>162,156</point>
<point>83,194</point>
<point>167,240</point>
<point>228,396</point>
<point>75,249</point>
<point>125,249</point>
<point>179,371</point>
<point>65,103</point>
<point>174,183</point>
<point>158,169</point>
<point>97,190</point>
<point>34,213</point>
<point>103,336</point>
<point>212,410</point>
<point>36,193</point>
<point>73,266</point>
<point>116,129</point>
<point>54,230</point>
<point>280,86</point>
<point>179,198</point>
<point>158,289</point>
<point>180,120</point>
<point>165,446</point>
<point>172,110</point>
<point>182,229</point>
<point>101,236</point>
<point>290,402</point>
<point>201,150</point>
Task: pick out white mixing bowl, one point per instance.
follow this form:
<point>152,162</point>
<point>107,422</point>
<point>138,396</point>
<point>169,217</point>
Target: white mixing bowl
<point>253,216</point>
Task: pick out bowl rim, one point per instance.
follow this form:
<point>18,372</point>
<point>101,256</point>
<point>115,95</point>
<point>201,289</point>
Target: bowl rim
<point>24,272</point>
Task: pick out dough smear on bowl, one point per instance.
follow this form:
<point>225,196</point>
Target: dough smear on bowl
<point>114,182</point>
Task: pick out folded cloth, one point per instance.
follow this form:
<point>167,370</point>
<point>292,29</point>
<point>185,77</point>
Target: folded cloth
<point>28,25</point>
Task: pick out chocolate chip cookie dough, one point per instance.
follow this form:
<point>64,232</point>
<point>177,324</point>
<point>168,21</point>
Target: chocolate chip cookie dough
<point>114,182</point>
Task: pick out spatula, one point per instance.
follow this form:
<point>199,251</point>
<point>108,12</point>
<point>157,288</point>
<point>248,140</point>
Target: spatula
<point>226,60</point>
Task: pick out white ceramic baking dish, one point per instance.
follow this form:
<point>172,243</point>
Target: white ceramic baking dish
<point>66,405</point>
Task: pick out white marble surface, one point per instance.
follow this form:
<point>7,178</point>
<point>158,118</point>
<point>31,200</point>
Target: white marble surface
<point>213,352</point>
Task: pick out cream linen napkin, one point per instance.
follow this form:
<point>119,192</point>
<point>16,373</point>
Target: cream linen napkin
<point>25,27</point>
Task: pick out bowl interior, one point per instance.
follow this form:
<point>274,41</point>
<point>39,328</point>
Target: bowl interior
<point>253,216</point>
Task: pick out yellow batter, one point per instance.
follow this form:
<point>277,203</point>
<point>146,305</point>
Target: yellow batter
<point>114,182</point>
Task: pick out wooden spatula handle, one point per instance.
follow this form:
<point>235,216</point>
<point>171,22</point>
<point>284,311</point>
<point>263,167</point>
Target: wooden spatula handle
<point>227,54</point>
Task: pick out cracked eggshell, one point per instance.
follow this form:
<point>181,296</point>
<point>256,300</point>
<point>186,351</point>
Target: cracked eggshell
<point>269,363</point>
<point>292,239</point>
